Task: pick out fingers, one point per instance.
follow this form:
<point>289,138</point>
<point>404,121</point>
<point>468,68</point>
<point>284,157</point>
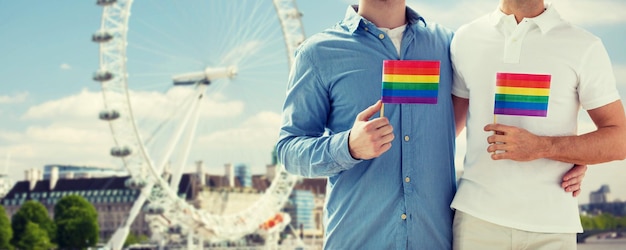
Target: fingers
<point>497,141</point>
<point>498,148</point>
<point>575,189</point>
<point>387,137</point>
<point>493,139</point>
<point>366,114</point>
<point>578,172</point>
<point>496,128</point>
<point>572,180</point>
<point>370,138</point>
<point>572,187</point>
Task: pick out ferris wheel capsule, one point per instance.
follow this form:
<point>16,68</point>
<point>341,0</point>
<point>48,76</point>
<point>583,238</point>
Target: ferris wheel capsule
<point>175,229</point>
<point>102,76</point>
<point>101,36</point>
<point>294,14</point>
<point>206,76</point>
<point>154,209</point>
<point>109,115</point>
<point>120,151</point>
<point>135,183</point>
<point>105,2</point>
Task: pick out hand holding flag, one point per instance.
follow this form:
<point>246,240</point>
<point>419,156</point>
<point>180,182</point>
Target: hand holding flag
<point>370,138</point>
<point>517,95</point>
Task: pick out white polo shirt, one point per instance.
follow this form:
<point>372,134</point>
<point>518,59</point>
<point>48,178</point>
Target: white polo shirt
<point>525,195</point>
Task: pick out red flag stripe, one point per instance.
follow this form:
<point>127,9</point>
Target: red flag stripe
<point>525,77</point>
<point>410,64</point>
<point>411,71</point>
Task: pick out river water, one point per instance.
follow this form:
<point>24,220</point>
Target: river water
<point>603,244</point>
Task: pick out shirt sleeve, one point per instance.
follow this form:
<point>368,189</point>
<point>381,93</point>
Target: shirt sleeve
<point>597,81</point>
<point>459,87</point>
<point>304,147</point>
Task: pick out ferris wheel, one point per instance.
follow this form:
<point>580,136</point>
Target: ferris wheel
<point>195,80</point>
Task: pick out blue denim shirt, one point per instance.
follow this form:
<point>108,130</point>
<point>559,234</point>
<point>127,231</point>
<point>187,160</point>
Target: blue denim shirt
<point>400,200</point>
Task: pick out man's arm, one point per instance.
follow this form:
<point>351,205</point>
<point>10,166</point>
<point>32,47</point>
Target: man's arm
<point>310,156</point>
<point>303,147</point>
<point>571,181</point>
<point>606,143</point>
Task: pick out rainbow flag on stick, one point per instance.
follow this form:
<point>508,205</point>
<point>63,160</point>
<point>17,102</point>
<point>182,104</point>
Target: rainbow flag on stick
<point>522,94</point>
<point>410,81</point>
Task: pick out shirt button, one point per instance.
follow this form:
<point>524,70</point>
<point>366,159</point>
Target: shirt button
<point>381,36</point>
<point>407,179</point>
<point>403,216</point>
<point>406,138</point>
<point>366,28</point>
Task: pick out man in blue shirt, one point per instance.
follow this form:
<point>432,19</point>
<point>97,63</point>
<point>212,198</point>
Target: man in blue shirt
<point>379,196</point>
<point>396,200</point>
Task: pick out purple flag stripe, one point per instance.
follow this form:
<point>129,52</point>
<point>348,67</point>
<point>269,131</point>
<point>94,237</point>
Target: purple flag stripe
<point>395,99</point>
<point>525,112</point>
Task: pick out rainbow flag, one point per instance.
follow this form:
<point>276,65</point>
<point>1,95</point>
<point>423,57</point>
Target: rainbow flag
<point>410,81</point>
<point>522,94</point>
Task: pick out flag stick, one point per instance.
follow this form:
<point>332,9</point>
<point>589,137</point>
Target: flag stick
<point>494,132</point>
<point>382,110</point>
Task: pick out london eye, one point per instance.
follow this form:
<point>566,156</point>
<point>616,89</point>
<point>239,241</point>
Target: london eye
<point>189,81</point>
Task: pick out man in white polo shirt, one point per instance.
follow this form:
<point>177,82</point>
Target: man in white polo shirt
<point>522,73</point>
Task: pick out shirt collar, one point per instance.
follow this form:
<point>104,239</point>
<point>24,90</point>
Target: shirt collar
<point>546,21</point>
<point>353,20</point>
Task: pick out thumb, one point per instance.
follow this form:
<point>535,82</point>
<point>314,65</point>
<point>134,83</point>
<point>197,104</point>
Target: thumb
<point>366,114</point>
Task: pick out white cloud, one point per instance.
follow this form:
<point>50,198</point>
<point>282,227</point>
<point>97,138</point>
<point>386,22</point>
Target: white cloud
<point>65,66</point>
<point>262,127</point>
<point>58,143</point>
<point>577,11</point>
<point>17,98</point>
<point>159,106</point>
<point>251,141</point>
<point>149,106</point>
<point>67,131</point>
<point>84,106</point>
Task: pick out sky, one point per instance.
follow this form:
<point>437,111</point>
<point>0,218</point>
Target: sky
<point>49,105</point>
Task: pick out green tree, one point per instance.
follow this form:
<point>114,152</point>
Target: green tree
<point>587,222</point>
<point>621,222</point>
<point>604,221</point>
<point>77,223</point>
<point>6,232</point>
<point>135,239</point>
<point>35,212</point>
<point>34,238</point>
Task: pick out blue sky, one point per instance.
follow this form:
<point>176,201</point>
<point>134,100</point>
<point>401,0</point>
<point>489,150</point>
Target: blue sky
<point>49,104</point>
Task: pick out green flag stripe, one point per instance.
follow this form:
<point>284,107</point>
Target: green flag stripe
<point>410,86</point>
<point>521,98</point>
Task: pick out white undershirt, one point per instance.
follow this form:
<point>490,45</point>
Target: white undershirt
<point>395,35</point>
